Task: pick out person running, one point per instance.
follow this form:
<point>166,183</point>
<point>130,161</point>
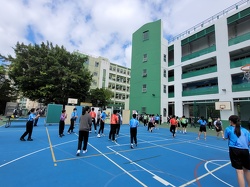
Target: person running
<point>151,123</point>
<point>72,121</point>
<point>62,123</point>
<point>203,124</point>
<point>102,123</point>
<point>184,125</point>
<point>113,124</point>
<point>93,116</point>
<point>84,127</point>
<point>157,121</point>
<point>218,127</point>
<point>145,117</point>
<point>133,123</point>
<point>210,120</point>
<point>173,124</point>
<point>238,143</point>
<point>29,125</point>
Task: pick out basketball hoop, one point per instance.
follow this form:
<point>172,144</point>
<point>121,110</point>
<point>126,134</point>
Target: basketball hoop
<point>246,70</point>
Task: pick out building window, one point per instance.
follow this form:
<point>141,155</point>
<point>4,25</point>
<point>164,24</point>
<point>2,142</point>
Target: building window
<point>128,72</point>
<point>96,64</point>
<point>145,35</point>
<point>165,58</point>
<point>144,88</point>
<point>144,73</point>
<point>145,57</point>
<point>110,68</point>
<point>164,73</point>
<point>164,89</point>
<point>95,74</point>
<point>118,70</point>
<point>143,110</point>
<point>164,112</point>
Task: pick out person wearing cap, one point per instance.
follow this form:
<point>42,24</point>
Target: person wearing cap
<point>72,121</point>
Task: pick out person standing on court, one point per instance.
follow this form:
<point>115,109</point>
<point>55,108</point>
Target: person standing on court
<point>98,118</point>
<point>102,123</point>
<point>29,125</point>
<point>133,123</point>
<point>113,124</point>
<point>173,123</point>
<point>62,123</point>
<point>238,143</point>
<point>218,127</point>
<point>93,116</point>
<point>203,124</point>
<point>72,121</point>
<point>119,123</point>
<point>84,127</point>
<point>38,111</point>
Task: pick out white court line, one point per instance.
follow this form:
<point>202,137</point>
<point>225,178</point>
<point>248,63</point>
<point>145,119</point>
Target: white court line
<point>117,165</point>
<point>211,173</point>
<point>166,183</point>
<point>202,176</point>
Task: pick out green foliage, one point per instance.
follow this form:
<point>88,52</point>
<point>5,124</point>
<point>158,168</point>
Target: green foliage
<point>48,73</point>
<point>7,92</point>
<point>100,97</point>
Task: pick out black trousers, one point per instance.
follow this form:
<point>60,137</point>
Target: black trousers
<point>35,122</point>
<point>133,135</point>
<point>172,129</point>
<point>83,137</point>
<point>93,122</point>
<point>101,127</point>
<point>118,126</point>
<point>112,131</point>
<point>61,127</point>
<point>71,127</point>
<point>29,129</point>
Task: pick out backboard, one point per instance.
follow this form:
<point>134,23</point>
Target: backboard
<point>223,105</point>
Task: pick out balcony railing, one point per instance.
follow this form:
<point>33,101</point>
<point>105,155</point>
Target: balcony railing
<point>199,53</point>
<point>239,39</point>
<point>201,91</point>
<point>170,63</point>
<point>170,94</point>
<point>241,87</point>
<point>239,63</point>
<point>170,79</point>
<point>199,72</point>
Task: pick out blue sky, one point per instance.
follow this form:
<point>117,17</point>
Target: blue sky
<point>97,27</point>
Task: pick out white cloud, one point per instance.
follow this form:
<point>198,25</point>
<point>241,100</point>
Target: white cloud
<point>98,27</point>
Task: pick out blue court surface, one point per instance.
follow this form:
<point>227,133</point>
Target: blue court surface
<point>158,160</point>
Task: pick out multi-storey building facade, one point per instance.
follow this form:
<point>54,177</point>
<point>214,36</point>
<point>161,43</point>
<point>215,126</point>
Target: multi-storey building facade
<point>201,66</point>
<point>111,76</point>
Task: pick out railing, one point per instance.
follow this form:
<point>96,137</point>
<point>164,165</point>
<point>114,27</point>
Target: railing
<point>170,79</point>
<point>239,63</point>
<point>170,94</point>
<point>170,63</point>
<point>201,91</point>
<point>199,53</point>
<point>199,72</point>
<point>241,87</point>
<point>209,20</point>
<point>239,39</point>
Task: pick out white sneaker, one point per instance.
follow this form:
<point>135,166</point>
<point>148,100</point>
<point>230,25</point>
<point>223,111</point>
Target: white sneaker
<point>78,153</point>
<point>103,135</point>
<point>98,135</point>
<point>84,151</point>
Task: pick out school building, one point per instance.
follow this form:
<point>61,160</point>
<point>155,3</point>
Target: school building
<point>111,76</point>
<point>192,72</point>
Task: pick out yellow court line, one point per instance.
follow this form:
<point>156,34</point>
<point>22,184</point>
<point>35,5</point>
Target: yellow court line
<point>51,148</point>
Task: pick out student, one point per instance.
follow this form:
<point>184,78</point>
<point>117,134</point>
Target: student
<point>102,123</point>
<point>29,125</point>
<point>184,124</point>
<point>84,127</point>
<point>157,120</point>
<point>210,123</point>
<point>133,123</point>
<point>98,118</point>
<point>218,127</point>
<point>93,116</point>
<point>238,142</point>
<point>119,123</point>
<point>38,111</point>
<point>173,124</point>
<point>203,124</point>
<point>151,123</point>
<point>62,123</point>
<point>113,124</point>
<point>72,121</point>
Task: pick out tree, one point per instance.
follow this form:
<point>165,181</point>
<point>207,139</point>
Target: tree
<point>100,97</point>
<point>7,92</point>
<point>49,74</point>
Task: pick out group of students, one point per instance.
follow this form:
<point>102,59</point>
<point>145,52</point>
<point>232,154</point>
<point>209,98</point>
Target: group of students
<point>151,121</point>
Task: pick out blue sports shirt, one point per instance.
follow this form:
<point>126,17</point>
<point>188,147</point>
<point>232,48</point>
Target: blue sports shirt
<point>133,123</point>
<point>233,141</point>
